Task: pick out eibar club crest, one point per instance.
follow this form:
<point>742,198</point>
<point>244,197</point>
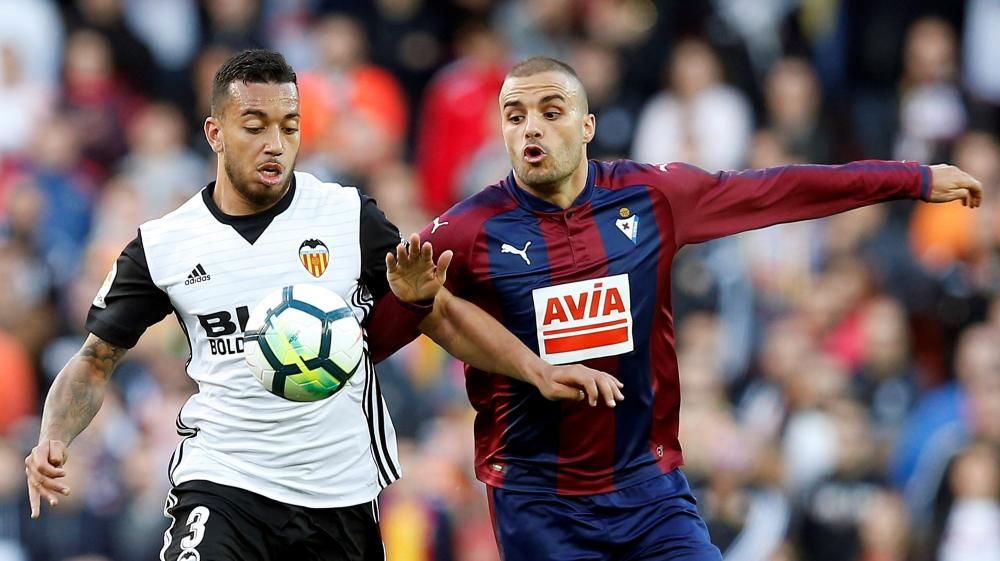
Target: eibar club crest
<point>315,257</point>
<point>628,224</point>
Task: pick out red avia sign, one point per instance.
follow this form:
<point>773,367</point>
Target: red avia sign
<point>582,320</point>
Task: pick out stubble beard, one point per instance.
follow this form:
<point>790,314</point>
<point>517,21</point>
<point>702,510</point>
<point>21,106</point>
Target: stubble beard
<point>546,181</point>
<point>262,196</point>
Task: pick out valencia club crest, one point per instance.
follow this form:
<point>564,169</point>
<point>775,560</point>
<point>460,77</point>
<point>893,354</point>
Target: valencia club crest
<point>315,256</point>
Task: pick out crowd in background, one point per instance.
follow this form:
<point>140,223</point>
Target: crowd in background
<point>841,377</point>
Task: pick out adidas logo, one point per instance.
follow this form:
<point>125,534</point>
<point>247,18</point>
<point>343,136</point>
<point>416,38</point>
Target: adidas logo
<point>197,275</point>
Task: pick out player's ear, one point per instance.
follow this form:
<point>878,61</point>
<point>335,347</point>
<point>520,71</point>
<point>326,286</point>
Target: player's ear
<point>589,128</point>
<point>213,133</point>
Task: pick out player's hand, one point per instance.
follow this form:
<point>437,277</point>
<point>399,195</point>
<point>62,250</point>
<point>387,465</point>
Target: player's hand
<point>949,183</point>
<point>577,382</point>
<point>413,275</point>
<point>44,466</point>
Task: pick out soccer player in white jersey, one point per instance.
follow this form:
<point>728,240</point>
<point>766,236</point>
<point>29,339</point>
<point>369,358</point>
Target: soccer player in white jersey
<point>256,476</point>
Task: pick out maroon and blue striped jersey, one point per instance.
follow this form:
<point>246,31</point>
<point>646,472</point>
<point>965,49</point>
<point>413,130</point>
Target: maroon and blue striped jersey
<point>591,284</point>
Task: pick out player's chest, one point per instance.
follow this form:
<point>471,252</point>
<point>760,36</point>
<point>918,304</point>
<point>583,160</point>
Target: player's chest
<point>225,275</point>
<point>573,282</point>
<point>612,236</point>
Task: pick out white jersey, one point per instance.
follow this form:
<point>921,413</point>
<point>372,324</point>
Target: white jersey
<point>210,269</point>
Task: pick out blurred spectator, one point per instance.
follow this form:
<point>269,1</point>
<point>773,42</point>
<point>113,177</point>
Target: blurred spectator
<point>12,517</point>
<point>171,28</point>
<point>18,394</point>
<point>452,125</point>
<point>232,23</point>
<point>162,168</point>
<point>763,407</point>
<point>536,27</point>
<point>98,102</point>
<point>172,31</point>
<point>357,115</point>
<point>834,310</point>
<point>117,215</point>
<point>811,444</point>
<point>758,25</point>
<point>972,531</point>
<point>884,531</point>
<point>698,118</point>
<point>947,418</point>
<point>61,177</point>
<point>131,60</point>
<point>415,526</point>
<point>23,103</point>
<point>394,187</point>
<point>931,109</point>
<point>794,102</point>
<point>768,512</point>
<point>203,70</point>
<point>886,380</point>
<point>834,509</point>
<point>25,302</point>
<point>412,39</point>
<point>979,45</point>
<point>870,39</point>
<point>35,30</point>
<point>490,162</point>
<point>615,106</point>
<point>619,25</point>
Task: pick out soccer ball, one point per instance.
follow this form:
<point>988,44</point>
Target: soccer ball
<point>303,343</point>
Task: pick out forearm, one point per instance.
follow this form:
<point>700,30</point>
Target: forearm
<point>731,202</point>
<point>393,325</point>
<point>78,391</point>
<point>476,338</point>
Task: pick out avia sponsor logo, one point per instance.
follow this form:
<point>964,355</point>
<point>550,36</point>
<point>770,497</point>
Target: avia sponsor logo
<point>583,320</point>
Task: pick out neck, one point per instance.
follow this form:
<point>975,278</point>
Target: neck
<point>230,201</point>
<point>562,193</point>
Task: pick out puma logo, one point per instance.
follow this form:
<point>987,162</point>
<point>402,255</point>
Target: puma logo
<point>438,224</point>
<point>507,248</point>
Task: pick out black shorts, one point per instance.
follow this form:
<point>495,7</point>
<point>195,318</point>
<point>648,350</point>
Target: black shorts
<point>212,522</point>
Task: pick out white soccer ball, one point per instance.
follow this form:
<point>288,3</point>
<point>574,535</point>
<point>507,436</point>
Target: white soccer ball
<point>303,342</point>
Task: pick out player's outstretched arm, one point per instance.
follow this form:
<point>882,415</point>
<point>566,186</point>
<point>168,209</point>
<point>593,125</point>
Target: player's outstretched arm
<point>74,399</point>
<point>706,205</point>
<point>476,338</point>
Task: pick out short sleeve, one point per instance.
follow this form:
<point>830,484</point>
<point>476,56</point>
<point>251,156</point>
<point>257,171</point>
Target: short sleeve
<point>378,237</point>
<point>128,301</point>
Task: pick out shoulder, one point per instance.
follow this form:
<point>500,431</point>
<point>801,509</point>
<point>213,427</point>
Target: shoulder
<point>619,174</point>
<point>313,191</point>
<point>476,209</point>
<point>460,227</point>
<point>186,221</point>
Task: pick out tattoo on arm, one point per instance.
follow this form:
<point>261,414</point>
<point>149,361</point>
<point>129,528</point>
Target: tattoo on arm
<point>78,392</point>
<point>103,355</point>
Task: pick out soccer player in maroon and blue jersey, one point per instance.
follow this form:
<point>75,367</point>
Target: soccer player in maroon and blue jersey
<point>573,256</point>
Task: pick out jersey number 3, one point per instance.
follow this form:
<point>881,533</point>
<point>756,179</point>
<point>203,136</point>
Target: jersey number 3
<point>196,524</point>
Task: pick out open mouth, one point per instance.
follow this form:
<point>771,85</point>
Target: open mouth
<point>534,153</point>
<point>270,173</point>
